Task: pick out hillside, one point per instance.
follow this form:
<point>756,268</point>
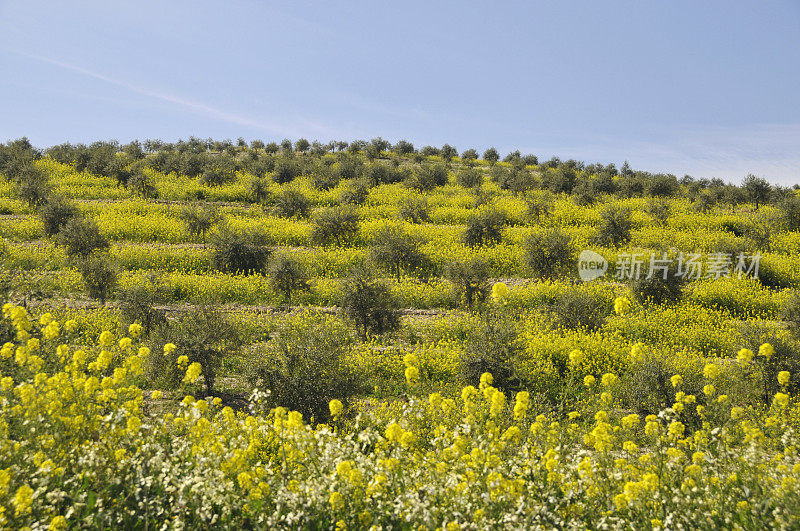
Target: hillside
<point>431,309</point>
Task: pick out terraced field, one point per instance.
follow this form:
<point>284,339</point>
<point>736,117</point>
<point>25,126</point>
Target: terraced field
<point>343,355</point>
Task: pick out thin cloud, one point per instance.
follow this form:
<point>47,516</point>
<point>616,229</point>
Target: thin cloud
<point>193,106</point>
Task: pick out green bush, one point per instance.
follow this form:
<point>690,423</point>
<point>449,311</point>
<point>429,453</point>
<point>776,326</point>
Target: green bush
<point>303,365</point>
<point>81,236</point>
<point>470,177</point>
<point>791,313</point>
<point>55,214</point>
<point>137,304</point>
<point>204,335</point>
<point>220,170</point>
<point>142,185</point>
<point>550,254</point>
<point>764,371</point>
<point>98,276</point>
<point>286,170</point>
<point>578,310</point>
<point>485,228</point>
<point>382,172</point>
<point>287,276</point>
<point>414,209</point>
<point>789,208</point>
<point>705,201</point>
<point>470,278</point>
<point>258,190</point>
<point>539,205</point>
<point>494,347</point>
<point>335,225</point>
<point>325,177</point>
<point>239,251</point>
<point>356,193</point>
<point>199,219</point>
<point>33,186</point>
<point>615,226</point>
<point>660,209</point>
<point>658,286</point>
<point>397,251</point>
<point>292,203</point>
<point>428,176</point>
<point>646,385</point>
<point>369,303</point>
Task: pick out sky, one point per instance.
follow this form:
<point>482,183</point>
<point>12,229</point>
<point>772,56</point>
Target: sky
<point>710,89</point>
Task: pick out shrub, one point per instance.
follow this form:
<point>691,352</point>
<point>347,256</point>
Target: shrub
<point>550,254</point>
<point>325,177</point>
<point>448,152</point>
<point>428,177</point>
<point>369,303</point>
<point>615,226</point>
<point>579,310</point>
<point>491,155</point>
<point>137,304</point>
<point>203,335</point>
<point>356,193</point>
<point>470,279</point>
<point>381,172</point>
<point>292,203</point>
<point>758,190</point>
<point>16,155</point>
<point>220,170</point>
<point>118,169</point>
<point>403,147</point>
<point>662,283</point>
<point>98,276</point>
<point>660,209</point>
<point>583,194</point>
<point>287,276</point>
<point>494,347</point>
<point>791,313</point>
<point>286,170</point>
<point>770,276</point>
<point>303,365</point>
<point>143,185</point>
<point>646,385</point>
<point>55,214</point>
<point>258,190</point>
<point>302,145</point>
<point>81,237</point>
<point>259,167</point>
<point>351,168</point>
<point>469,156</point>
<point>539,205</point>
<point>199,219</point>
<point>559,180</point>
<point>663,186</point>
<point>759,231</point>
<point>785,356</point>
<point>414,209</point>
<point>517,180</point>
<point>789,208</point>
<point>397,251</point>
<point>336,225</point>
<point>470,178</point>
<point>485,228</point>
<point>239,251</point>
<point>33,186</point>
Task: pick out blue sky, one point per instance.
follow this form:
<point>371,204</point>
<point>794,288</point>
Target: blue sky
<point>706,88</point>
